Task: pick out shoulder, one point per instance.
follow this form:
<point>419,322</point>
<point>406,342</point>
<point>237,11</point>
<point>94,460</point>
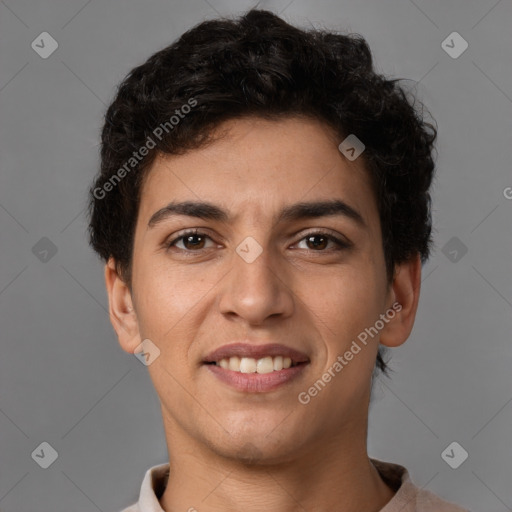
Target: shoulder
<point>132,508</point>
<point>151,490</point>
<point>409,497</point>
<point>427,501</point>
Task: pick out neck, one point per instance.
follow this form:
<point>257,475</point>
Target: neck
<point>335,475</point>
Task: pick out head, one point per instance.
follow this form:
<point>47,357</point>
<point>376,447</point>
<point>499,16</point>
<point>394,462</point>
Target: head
<point>247,115</point>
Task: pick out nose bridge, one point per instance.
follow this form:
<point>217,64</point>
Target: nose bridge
<point>255,288</point>
<point>254,260</point>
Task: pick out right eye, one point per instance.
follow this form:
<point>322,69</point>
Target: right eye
<point>194,237</point>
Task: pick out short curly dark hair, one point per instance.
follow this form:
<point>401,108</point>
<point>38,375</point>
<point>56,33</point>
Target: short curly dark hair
<point>259,65</point>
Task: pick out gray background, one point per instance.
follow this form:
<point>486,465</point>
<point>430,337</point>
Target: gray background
<point>63,377</point>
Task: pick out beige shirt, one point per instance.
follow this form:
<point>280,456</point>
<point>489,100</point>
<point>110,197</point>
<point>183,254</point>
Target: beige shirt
<point>408,497</point>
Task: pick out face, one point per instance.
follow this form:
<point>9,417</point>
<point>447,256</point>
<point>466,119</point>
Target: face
<point>308,282</point>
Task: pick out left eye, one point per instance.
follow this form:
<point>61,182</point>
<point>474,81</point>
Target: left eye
<point>324,238</point>
<point>319,241</point>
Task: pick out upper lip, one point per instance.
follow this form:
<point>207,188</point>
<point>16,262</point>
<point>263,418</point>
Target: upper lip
<point>256,352</point>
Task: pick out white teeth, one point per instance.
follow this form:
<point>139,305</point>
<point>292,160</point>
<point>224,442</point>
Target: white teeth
<point>265,365</point>
<point>250,365</point>
<point>234,363</point>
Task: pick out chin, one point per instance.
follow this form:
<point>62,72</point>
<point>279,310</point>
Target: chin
<point>258,448</point>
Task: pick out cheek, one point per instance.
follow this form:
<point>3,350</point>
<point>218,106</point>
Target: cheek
<point>351,303</point>
<point>160,300</point>
<point>171,305</point>
<point>350,299</point>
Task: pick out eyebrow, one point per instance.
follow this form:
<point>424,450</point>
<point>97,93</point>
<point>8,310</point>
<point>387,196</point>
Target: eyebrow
<point>294,212</point>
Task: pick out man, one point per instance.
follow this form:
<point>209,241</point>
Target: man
<point>263,210</point>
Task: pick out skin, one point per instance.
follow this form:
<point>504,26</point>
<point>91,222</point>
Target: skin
<point>230,450</point>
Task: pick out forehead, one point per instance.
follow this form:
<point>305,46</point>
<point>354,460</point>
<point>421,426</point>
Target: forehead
<point>258,166</point>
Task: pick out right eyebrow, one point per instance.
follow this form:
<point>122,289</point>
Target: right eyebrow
<point>201,210</point>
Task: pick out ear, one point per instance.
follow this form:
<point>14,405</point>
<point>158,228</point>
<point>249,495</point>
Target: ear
<point>121,310</point>
<point>404,295</point>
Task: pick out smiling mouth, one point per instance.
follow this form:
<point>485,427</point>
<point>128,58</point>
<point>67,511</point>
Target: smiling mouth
<point>267,364</point>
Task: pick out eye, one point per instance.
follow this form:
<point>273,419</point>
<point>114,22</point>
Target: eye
<point>318,241</point>
<point>192,240</point>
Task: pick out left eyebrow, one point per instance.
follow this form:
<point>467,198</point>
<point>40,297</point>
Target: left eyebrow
<point>335,207</point>
<point>294,212</point>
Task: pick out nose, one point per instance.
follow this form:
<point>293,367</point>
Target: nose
<point>256,290</point>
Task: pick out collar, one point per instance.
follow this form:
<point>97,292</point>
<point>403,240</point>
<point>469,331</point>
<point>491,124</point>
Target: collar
<point>408,497</point>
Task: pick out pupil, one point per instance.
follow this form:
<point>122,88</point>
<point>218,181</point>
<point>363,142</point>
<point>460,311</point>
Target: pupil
<point>191,237</point>
<point>317,236</point>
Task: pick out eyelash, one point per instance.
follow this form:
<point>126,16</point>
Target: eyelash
<point>195,232</point>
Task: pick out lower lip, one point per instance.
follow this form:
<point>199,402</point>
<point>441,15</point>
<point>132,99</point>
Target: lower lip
<point>256,382</point>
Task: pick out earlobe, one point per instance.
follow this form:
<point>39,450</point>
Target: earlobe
<point>122,314</point>
<point>404,297</point>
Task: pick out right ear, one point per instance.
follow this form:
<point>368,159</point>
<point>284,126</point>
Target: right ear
<point>122,313</point>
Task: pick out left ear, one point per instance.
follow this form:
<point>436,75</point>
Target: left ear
<point>403,300</point>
